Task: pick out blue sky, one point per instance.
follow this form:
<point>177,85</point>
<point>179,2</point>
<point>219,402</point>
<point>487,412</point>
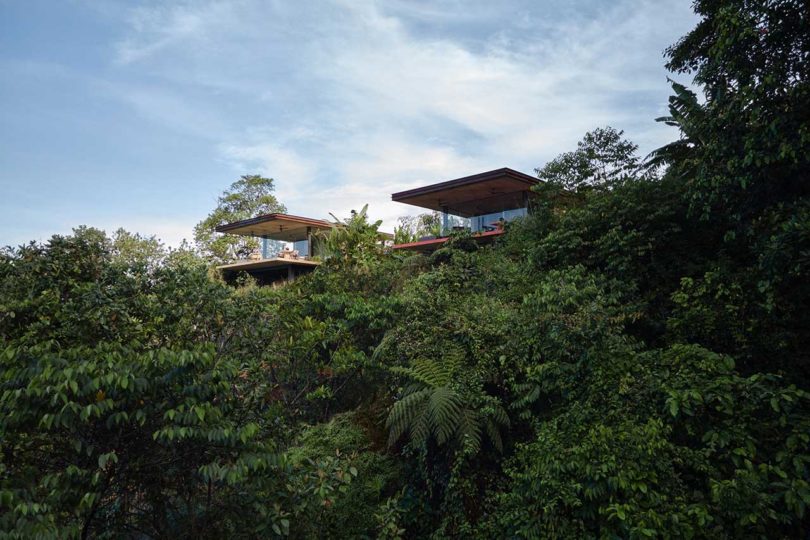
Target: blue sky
<point>138,114</point>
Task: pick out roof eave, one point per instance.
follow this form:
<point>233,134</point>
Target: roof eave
<point>273,217</point>
<point>466,180</point>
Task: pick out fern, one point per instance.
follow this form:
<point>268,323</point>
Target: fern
<point>444,413</point>
<point>470,430</point>
<point>405,411</point>
<point>432,407</point>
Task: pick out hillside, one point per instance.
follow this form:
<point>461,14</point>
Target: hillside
<point>630,360</point>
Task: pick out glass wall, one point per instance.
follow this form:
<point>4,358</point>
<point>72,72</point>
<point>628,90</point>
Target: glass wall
<point>489,222</point>
<point>302,247</point>
<point>483,223</point>
<point>271,248</point>
<point>452,223</point>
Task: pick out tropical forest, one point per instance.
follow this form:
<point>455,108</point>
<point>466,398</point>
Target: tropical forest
<point>629,360</point>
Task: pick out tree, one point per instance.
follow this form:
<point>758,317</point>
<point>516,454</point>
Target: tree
<point>601,159</point>
<point>744,162</point>
<point>131,405</point>
<point>250,196</point>
<point>135,249</point>
<point>752,59</point>
<point>411,228</point>
<point>353,240</point>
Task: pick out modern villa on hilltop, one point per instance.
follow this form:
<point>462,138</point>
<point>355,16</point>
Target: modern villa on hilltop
<point>298,257</point>
<point>480,203</point>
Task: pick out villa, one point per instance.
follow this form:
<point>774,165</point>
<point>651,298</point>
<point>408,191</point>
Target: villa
<point>480,203</point>
<point>298,256</point>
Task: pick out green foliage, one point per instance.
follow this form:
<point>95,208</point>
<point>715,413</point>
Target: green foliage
<point>135,250</point>
<point>106,439</point>
<point>602,159</point>
<point>749,143</point>
<point>353,240</point>
<point>250,196</point>
<point>630,360</point>
<point>388,517</point>
<point>412,228</point>
<point>131,403</point>
<point>348,510</point>
<point>666,443</point>
<point>431,407</point>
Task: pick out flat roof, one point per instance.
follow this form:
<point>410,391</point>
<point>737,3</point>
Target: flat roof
<point>483,193</point>
<point>284,227</point>
<point>264,264</point>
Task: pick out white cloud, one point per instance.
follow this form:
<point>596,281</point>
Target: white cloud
<point>158,28</point>
<point>275,161</point>
<point>344,102</point>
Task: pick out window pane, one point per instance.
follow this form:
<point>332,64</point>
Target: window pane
<point>302,247</point>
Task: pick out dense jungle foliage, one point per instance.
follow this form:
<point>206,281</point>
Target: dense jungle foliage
<point>630,361</point>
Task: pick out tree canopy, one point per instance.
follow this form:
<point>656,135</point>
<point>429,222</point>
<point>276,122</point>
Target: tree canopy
<point>250,196</point>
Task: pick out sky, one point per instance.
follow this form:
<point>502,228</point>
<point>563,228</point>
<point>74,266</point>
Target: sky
<point>139,114</point>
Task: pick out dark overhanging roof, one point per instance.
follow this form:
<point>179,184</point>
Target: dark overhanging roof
<point>284,227</point>
<point>483,193</point>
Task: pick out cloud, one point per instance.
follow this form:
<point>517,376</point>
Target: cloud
<point>345,101</point>
<point>271,159</point>
<point>157,28</point>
